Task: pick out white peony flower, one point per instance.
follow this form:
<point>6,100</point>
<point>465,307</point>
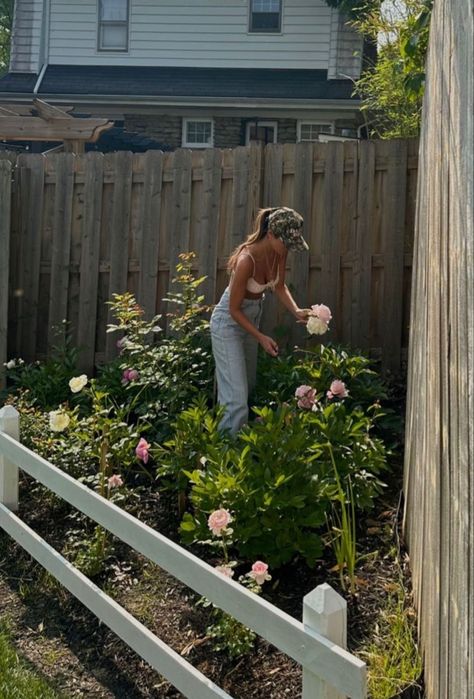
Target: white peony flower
<point>77,383</point>
<point>316,326</point>
<point>10,364</point>
<point>58,420</point>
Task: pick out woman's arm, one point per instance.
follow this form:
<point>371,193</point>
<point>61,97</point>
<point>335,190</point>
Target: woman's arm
<point>242,271</point>
<point>285,296</point>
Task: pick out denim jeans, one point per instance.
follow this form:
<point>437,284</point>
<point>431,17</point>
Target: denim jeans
<point>235,355</point>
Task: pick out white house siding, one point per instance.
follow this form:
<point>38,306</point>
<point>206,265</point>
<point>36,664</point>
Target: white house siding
<point>26,36</point>
<point>204,33</point>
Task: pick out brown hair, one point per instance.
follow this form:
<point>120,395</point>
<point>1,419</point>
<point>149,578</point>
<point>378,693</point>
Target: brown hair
<point>259,232</point>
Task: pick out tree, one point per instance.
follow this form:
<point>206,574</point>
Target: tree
<point>6,22</point>
<point>392,87</point>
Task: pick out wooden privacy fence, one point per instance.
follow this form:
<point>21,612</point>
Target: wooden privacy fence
<point>84,227</point>
<point>439,454</point>
<point>328,669</point>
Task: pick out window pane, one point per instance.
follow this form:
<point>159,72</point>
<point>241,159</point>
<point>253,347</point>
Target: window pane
<point>113,36</point>
<point>113,10</point>
<point>198,132</point>
<point>309,132</point>
<point>265,22</point>
<point>266,6</point>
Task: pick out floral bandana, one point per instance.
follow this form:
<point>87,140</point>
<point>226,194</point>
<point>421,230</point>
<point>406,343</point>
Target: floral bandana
<point>287,224</point>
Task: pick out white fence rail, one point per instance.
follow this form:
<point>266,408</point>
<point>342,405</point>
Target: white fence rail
<point>329,671</point>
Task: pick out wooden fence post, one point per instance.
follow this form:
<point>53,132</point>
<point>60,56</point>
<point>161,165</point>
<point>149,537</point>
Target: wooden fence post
<point>5,209</point>
<point>9,424</point>
<point>324,611</point>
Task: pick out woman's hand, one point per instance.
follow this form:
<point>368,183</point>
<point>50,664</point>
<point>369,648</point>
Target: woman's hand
<point>302,315</point>
<point>269,345</point>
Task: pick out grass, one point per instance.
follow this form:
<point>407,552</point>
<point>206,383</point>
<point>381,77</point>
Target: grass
<point>17,681</point>
<point>392,657</point>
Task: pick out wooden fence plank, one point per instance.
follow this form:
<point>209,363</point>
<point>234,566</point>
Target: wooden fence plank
<point>31,201</point>
<point>150,248</point>
<point>180,210</point>
<point>210,212</point>
<point>331,235</point>
<point>362,264</point>
<point>93,164</point>
<point>240,196</point>
<point>5,225</point>
<point>61,248</point>
<point>393,235</point>
<point>119,233</point>
<point>299,272</point>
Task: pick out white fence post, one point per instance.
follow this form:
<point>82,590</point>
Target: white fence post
<point>9,424</point>
<point>324,611</point>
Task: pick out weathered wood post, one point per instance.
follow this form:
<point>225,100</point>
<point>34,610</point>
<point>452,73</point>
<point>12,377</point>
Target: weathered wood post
<point>439,455</point>
<point>5,208</point>
<point>9,424</point>
<point>324,611</point>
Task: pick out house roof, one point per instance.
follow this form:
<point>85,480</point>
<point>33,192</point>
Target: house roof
<point>109,82</point>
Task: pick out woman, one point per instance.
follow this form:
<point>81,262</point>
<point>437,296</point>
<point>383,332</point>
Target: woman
<point>255,266</point>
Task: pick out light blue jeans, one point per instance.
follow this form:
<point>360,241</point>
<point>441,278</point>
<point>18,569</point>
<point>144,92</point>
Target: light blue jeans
<point>235,355</point>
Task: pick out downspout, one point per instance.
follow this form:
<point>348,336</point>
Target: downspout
<point>44,50</point>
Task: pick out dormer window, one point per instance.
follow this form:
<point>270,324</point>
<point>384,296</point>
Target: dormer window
<point>265,16</point>
<point>113,25</point>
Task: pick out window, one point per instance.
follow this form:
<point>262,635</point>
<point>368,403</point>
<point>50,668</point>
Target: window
<point>265,16</point>
<point>261,132</point>
<point>198,133</point>
<point>113,25</point>
<point>310,130</point>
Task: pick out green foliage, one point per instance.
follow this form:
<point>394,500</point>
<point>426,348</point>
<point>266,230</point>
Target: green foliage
<point>355,9</point>
<point>230,635</point>
<point>46,382</point>
<point>6,23</point>
<point>178,367</point>
<point>17,680</point>
<point>392,89</point>
<point>278,480</point>
<point>393,659</point>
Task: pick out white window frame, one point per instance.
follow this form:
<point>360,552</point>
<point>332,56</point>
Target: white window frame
<point>262,31</point>
<point>101,22</point>
<point>260,122</point>
<point>188,144</point>
<point>313,122</point>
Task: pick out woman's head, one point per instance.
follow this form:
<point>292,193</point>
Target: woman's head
<point>282,223</point>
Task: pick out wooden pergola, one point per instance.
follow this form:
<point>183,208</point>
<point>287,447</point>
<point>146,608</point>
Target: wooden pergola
<point>44,122</point>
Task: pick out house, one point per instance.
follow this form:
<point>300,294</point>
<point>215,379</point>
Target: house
<point>193,73</point>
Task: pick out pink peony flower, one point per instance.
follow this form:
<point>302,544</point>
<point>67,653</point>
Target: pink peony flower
<point>115,481</point>
<point>142,450</point>
<point>306,397</point>
<point>225,570</point>
<point>129,375</point>
<point>337,389</point>
<point>321,311</point>
<point>218,521</point>
<point>259,572</point>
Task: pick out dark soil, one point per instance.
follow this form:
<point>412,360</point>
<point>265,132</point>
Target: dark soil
<point>82,658</point>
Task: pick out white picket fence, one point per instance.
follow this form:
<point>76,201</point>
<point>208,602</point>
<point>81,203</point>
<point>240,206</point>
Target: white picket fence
<point>318,643</point>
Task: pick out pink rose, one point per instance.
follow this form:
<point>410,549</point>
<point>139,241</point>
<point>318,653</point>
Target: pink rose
<point>337,389</point>
<point>225,570</point>
<point>259,572</point>
<point>322,312</point>
<point>142,450</point>
<point>115,481</point>
<point>218,520</point>
<point>306,397</point>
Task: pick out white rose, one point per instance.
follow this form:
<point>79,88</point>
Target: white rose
<point>316,326</point>
<point>77,383</point>
<point>58,420</point>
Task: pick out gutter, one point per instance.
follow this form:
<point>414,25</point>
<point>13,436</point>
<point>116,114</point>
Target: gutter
<point>44,45</point>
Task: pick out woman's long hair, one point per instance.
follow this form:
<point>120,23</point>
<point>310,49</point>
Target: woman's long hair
<point>259,232</point>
